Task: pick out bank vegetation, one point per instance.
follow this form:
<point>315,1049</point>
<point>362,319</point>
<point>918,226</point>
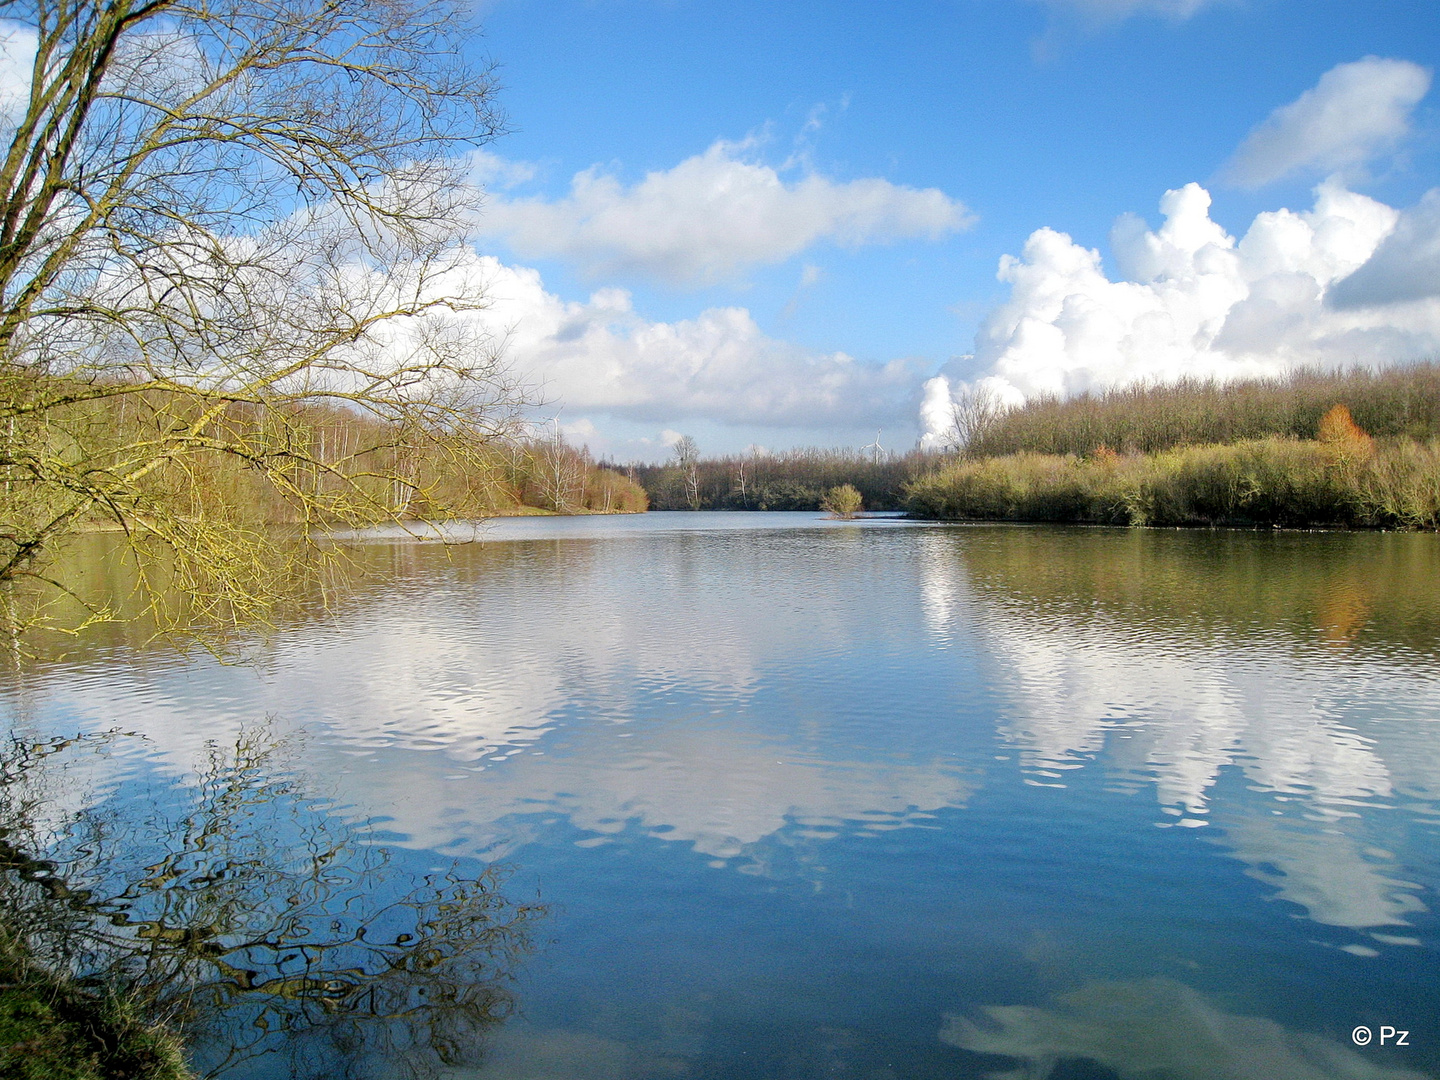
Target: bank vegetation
<point>1355,449</point>
<point>214,540</point>
<point>51,1028</point>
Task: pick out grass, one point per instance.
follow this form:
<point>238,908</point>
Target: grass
<point>51,1029</point>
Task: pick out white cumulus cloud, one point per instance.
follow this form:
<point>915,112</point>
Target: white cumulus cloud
<point>600,356</point>
<point>712,217</point>
<point>1354,112</point>
<point>1195,302</point>
<point>935,412</point>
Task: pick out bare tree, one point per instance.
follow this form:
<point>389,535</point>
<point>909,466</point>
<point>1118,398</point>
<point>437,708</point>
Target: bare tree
<point>221,223</point>
<point>687,457</point>
<point>560,472</point>
<point>972,413</point>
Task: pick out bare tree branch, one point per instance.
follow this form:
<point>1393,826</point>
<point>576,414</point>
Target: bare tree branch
<point>231,242</point>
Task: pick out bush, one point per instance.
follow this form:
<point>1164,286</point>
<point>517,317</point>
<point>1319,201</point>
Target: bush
<point>1400,486</point>
<point>783,494</point>
<point>608,492</point>
<point>843,501</point>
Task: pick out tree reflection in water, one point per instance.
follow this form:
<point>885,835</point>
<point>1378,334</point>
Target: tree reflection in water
<point>252,917</point>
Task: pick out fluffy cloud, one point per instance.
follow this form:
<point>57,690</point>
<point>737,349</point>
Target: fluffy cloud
<point>599,355</point>
<point>1195,302</point>
<point>1356,111</point>
<point>712,217</point>
<point>935,412</point>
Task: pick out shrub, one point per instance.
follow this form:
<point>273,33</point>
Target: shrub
<point>1399,487</point>
<point>1338,427</point>
<point>608,492</point>
<point>843,501</point>
<point>1272,481</point>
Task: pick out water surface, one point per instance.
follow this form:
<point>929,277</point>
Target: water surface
<point>782,797</point>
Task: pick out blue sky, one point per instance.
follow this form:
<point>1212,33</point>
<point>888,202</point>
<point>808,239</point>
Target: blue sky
<point>832,188</point>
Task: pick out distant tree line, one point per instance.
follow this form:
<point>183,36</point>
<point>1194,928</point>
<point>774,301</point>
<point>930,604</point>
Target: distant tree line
<point>790,480</point>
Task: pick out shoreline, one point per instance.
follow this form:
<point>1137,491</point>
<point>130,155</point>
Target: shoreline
<point>52,1029</point>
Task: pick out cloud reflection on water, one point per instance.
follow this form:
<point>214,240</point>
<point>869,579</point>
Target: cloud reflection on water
<point>1124,666</point>
<point>716,693</point>
<point>746,699</point>
<point>528,679</point>
<point>1152,1028</point>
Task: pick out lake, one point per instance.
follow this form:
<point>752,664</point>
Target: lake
<point>773,796</point>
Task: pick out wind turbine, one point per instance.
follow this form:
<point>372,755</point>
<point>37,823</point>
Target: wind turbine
<point>875,448</point>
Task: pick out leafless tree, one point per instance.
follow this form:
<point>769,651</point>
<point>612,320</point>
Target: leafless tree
<point>560,472</point>
<point>220,220</point>
<point>972,413</point>
<point>687,457</point>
